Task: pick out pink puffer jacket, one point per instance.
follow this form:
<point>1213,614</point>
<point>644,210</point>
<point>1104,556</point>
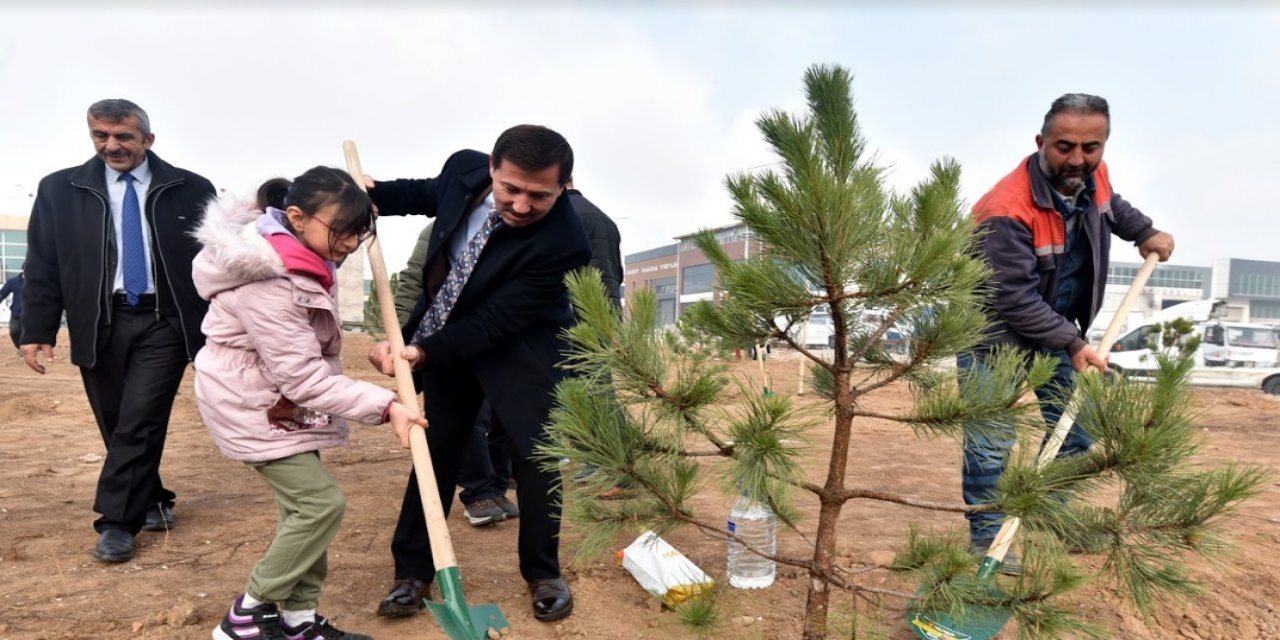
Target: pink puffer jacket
<point>269,383</point>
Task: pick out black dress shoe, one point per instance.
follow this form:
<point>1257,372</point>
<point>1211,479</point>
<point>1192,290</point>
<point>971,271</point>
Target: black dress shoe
<point>551,599</point>
<point>158,519</point>
<point>114,545</point>
<point>405,598</point>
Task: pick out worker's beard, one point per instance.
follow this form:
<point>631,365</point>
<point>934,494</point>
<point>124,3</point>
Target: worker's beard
<point>1067,179</point>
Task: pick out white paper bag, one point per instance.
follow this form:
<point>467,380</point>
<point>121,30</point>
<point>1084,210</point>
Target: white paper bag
<point>663,571</point>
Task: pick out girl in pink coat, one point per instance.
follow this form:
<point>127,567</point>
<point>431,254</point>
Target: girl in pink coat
<point>269,383</point>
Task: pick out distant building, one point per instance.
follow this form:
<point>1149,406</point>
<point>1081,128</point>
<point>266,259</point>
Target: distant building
<point>680,274</point>
<point>1250,287</point>
<point>351,289</point>
<point>13,245</point>
<point>655,270</point>
<point>1170,284</point>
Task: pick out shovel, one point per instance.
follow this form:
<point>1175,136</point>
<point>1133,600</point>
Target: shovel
<point>459,620</point>
<point>984,622</point>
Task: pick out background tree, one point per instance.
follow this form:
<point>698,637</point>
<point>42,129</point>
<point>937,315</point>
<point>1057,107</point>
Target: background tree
<point>373,313</point>
<point>835,236</point>
<point>1175,338</point>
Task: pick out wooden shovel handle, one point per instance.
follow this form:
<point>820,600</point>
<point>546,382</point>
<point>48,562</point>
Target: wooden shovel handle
<point>1051,448</point>
<point>1118,320</point>
<point>1004,538</point>
<point>441,543</point>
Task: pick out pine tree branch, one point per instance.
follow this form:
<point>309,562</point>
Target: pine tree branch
<point>898,419</point>
<point>660,392</point>
<point>858,572</point>
<point>836,580</point>
<point>785,336</point>
<point>867,295</point>
<point>1104,469</point>
<point>685,453</point>
<point>897,371</point>
<point>725,450</point>
<point>651,446</point>
<point>846,495</point>
<point>875,337</point>
<point>912,419</point>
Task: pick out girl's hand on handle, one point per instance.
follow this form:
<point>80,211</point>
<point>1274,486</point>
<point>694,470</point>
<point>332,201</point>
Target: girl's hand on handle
<point>403,419</point>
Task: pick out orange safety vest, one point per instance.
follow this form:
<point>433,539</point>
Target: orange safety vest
<point>1012,198</point>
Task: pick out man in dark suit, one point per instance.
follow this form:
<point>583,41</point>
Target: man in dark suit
<point>488,326</point>
<point>485,472</point>
<point>109,243</point>
<point>13,287</point>
<point>606,255</point>
<point>606,243</point>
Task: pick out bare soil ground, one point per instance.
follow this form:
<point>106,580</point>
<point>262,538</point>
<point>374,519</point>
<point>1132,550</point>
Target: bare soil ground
<point>181,582</point>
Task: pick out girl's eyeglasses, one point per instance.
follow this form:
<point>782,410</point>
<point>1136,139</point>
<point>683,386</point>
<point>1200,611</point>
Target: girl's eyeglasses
<point>364,237</point>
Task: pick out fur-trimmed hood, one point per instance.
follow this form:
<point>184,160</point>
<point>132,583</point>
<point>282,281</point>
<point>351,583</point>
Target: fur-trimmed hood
<point>235,252</point>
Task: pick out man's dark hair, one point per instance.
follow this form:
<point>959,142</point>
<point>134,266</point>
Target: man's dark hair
<point>117,109</point>
<point>534,148</point>
<point>1081,103</point>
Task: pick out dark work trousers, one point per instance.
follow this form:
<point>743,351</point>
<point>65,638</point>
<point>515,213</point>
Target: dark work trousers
<point>986,452</point>
<point>486,466</point>
<point>452,404</point>
<point>131,389</point>
<point>15,331</point>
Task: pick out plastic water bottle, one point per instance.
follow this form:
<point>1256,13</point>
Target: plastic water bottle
<point>756,525</point>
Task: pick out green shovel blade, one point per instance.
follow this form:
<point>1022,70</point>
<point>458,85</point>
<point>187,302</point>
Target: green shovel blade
<point>977,622</point>
<point>459,620</point>
<point>980,623</point>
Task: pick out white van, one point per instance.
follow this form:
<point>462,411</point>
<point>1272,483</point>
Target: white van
<point>819,330</point>
<point>813,331</point>
<point>1222,344</point>
<point>1233,344</point>
<point>1248,367</point>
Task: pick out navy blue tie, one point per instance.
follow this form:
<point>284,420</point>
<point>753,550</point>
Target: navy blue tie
<point>133,255</point>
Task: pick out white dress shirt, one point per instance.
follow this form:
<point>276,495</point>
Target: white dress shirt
<point>475,220</point>
<point>115,193</point>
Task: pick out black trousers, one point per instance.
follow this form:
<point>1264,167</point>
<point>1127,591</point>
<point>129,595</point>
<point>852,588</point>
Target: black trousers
<point>486,465</point>
<point>452,402</point>
<point>131,389</point>
<point>15,331</point>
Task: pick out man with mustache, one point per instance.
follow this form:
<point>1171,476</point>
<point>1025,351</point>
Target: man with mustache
<point>488,326</point>
<point>109,243</point>
<point>1047,235</point>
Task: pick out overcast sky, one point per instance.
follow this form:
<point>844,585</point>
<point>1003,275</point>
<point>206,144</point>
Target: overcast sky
<point>659,100</point>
